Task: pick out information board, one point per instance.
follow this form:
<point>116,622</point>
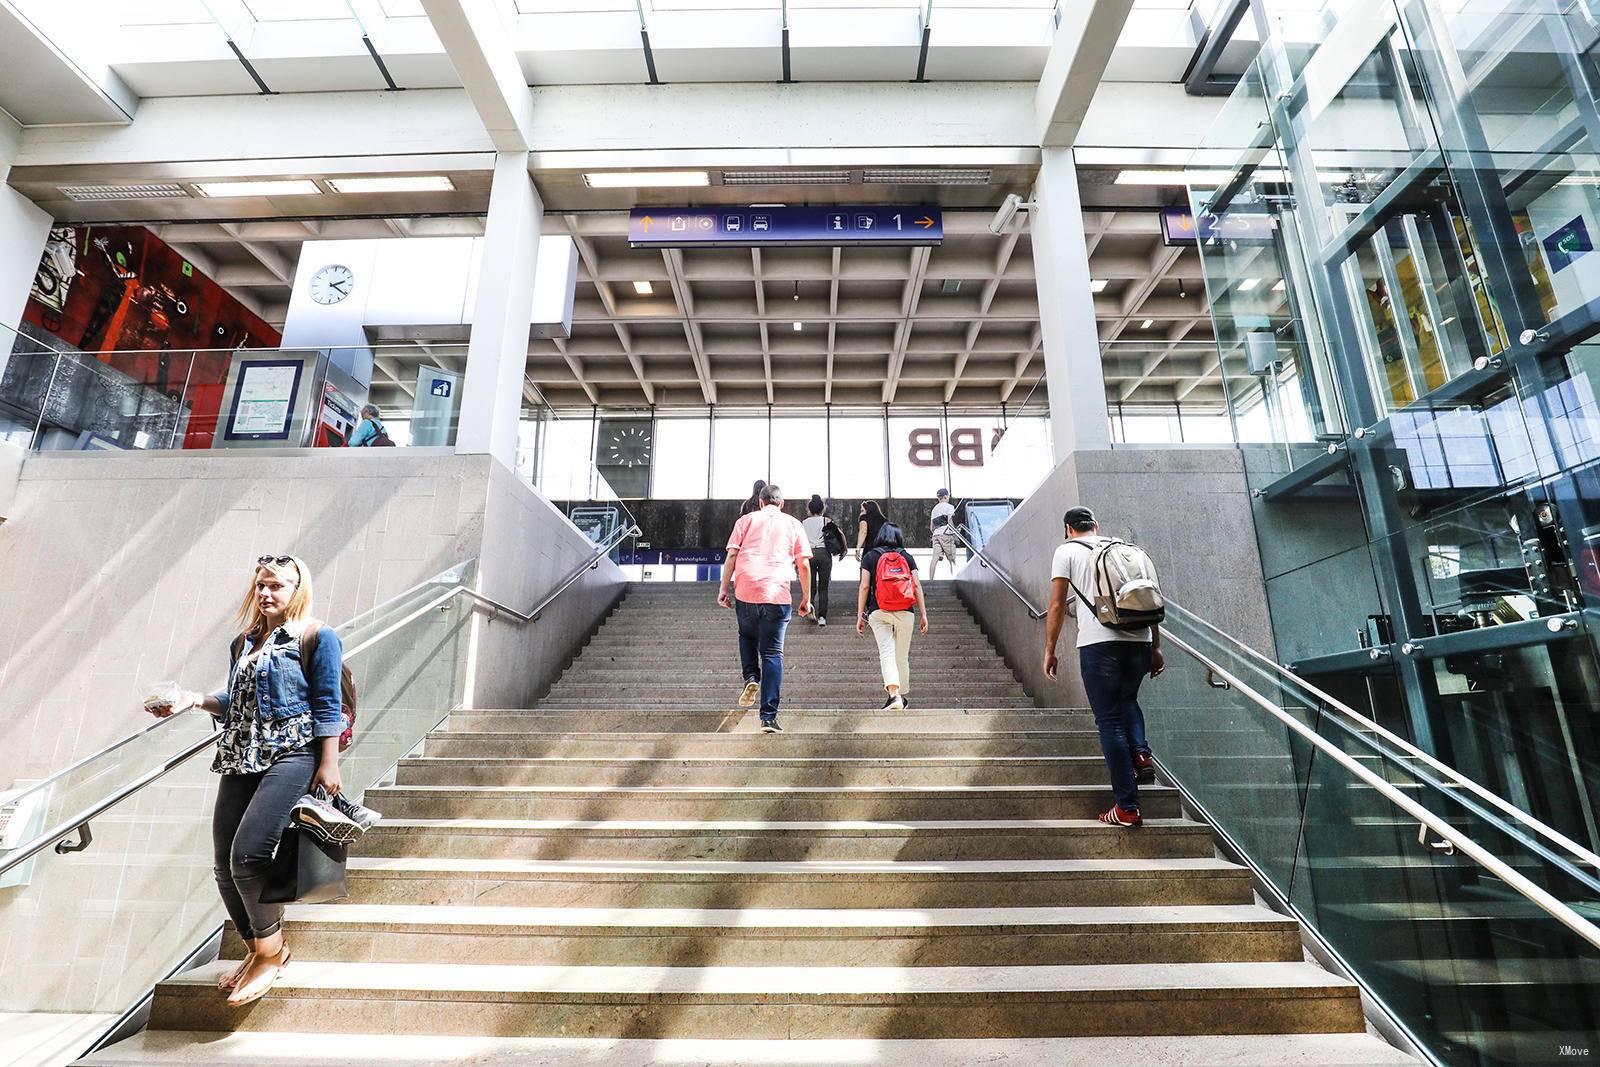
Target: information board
<point>835,224</point>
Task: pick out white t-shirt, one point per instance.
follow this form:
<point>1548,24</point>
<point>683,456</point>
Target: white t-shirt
<point>943,510</point>
<point>1072,561</point>
<point>814,525</point>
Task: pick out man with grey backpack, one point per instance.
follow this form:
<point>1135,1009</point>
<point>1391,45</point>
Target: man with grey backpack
<point>1112,586</point>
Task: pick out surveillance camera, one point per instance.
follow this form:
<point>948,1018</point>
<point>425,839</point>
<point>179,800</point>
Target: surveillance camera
<point>1008,211</point>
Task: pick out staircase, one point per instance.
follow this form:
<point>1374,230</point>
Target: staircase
<point>630,873</point>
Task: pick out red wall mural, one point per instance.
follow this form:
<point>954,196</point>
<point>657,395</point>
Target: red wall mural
<point>121,289</point>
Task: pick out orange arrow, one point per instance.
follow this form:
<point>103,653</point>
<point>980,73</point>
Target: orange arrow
<point>645,222</point>
<point>925,222</point>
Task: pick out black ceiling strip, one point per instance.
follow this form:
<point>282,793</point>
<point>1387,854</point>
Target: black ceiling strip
<point>376,58</point>
<point>786,74</point>
<point>649,56</point>
<point>922,57</point>
<point>250,70</point>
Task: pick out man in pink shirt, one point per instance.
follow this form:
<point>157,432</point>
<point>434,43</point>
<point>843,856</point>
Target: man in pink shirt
<point>766,551</point>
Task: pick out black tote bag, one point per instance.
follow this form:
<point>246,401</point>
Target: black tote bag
<point>305,871</point>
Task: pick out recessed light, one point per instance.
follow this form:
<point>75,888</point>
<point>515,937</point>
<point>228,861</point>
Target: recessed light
<point>798,327</point>
<point>268,187</point>
<point>1173,177</point>
<point>1249,284</point>
<point>99,193</point>
<point>408,183</point>
<point>645,179</point>
<point>643,288</point>
<point>1146,324</point>
<point>1279,287</point>
<point>1097,285</point>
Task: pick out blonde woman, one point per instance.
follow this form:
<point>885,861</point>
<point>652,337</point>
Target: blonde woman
<point>281,720</point>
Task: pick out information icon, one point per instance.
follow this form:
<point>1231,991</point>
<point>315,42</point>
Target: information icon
<point>838,221</point>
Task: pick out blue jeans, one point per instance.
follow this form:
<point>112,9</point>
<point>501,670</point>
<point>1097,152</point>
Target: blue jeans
<point>761,630</point>
<point>1112,671</point>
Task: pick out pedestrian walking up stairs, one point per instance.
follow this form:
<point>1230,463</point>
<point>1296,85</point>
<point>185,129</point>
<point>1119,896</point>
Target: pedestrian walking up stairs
<point>629,873</point>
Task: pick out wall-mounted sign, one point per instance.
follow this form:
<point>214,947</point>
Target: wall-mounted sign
<point>894,224</point>
<point>264,400</point>
<point>1179,227</point>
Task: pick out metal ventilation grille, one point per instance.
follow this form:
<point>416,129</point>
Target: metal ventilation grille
<point>788,177</point>
<point>914,176</point>
<point>88,193</point>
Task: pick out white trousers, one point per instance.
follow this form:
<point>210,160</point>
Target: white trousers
<point>892,630</point>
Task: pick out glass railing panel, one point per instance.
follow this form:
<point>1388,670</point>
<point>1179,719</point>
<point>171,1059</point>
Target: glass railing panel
<point>143,896</point>
<point>57,398</point>
<point>1479,973</point>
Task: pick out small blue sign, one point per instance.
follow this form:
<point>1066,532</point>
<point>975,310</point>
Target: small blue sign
<point>894,224</point>
<point>1568,244</point>
<point>441,387</point>
<point>1179,227</point>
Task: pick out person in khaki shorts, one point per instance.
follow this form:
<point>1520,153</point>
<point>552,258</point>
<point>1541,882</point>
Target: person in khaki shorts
<point>889,592</point>
<point>942,525</point>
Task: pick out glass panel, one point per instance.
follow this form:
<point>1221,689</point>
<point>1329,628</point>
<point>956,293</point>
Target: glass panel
<point>739,456</point>
<point>920,455</point>
<point>800,457</point>
<point>682,455</point>
<point>857,459</point>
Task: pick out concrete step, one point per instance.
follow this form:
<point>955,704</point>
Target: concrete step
<point>784,840</point>
<point>514,735</point>
<point>797,690</point>
<point>607,718</point>
<point>768,937</point>
<point>772,1002</point>
<point>826,672</point>
<point>178,1048</point>
<point>795,697</point>
<point>810,884</point>
<point>749,772</point>
<point>819,803</point>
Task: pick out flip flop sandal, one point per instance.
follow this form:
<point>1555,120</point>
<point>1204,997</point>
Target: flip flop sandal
<point>230,981</point>
<point>262,986</point>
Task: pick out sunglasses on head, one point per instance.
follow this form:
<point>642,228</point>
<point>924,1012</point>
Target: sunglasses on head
<point>281,561</point>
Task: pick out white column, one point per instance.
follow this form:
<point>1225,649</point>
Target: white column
<point>24,229</point>
<point>497,356</point>
<point>1066,310</point>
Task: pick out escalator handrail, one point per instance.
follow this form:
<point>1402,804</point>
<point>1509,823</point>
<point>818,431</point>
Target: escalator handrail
<point>16,857</point>
<point>1456,777</point>
<point>1541,898</point>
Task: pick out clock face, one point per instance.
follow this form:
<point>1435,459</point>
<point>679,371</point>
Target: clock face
<point>332,283</point>
<point>627,447</point>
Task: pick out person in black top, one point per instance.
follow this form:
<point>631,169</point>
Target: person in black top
<point>891,621</point>
<point>754,503</point>
<point>872,521</point>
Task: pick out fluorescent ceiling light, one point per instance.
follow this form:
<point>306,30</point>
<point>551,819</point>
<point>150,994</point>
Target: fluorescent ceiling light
<point>409,183</point>
<point>645,179</point>
<point>1097,285</point>
<point>785,177</point>
<point>1249,284</point>
<point>798,327</point>
<point>1146,324</point>
<point>269,187</point>
<point>643,288</point>
<point>925,176</point>
<point>101,193</point>
<point>1173,177</point>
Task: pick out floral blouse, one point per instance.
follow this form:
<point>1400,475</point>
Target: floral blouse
<point>250,741</point>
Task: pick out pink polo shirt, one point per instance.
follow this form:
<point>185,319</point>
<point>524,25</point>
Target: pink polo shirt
<point>768,542</point>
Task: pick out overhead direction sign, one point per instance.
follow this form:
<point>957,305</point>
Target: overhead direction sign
<point>835,224</point>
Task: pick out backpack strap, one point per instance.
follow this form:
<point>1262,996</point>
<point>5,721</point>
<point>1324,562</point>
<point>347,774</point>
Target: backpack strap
<point>308,642</point>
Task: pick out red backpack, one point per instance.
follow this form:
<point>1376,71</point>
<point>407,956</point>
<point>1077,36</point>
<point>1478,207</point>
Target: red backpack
<point>895,588</point>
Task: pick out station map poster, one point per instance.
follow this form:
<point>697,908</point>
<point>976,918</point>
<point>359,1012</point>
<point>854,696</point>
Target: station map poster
<point>104,289</point>
<point>264,402</point>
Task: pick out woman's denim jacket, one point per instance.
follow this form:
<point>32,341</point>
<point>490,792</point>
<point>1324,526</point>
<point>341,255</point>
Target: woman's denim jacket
<point>285,687</point>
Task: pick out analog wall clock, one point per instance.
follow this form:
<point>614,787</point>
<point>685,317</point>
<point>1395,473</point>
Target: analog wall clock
<point>332,283</point>
<point>626,446</point>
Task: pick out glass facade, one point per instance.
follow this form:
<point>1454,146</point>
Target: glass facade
<point>1397,220</point>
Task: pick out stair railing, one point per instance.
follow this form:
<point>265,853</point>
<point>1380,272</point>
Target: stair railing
<point>965,537</point>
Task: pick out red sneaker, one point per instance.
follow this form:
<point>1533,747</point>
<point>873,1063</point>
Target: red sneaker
<point>1144,765</point>
<point>1120,816</point>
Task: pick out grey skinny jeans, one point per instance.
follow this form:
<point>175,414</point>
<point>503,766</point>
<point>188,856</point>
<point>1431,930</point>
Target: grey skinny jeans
<point>251,814</point>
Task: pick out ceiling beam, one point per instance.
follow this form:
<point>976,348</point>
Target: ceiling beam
<point>1077,61</point>
<point>576,368</point>
<point>608,297</point>
<point>691,328</point>
<point>478,44</point>
<point>911,295</point>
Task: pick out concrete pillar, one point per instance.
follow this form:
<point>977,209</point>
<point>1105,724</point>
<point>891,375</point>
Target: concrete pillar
<point>1066,310</point>
<point>497,356</point>
<point>23,231</point>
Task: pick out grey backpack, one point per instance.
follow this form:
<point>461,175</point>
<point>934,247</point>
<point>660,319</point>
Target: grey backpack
<point>1126,591</point>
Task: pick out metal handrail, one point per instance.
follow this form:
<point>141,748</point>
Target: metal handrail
<point>1455,776</point>
<point>1547,902</point>
<point>985,561</point>
<point>1499,868</point>
<point>58,834</point>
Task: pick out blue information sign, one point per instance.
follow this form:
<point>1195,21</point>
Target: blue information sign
<point>1178,227</point>
<point>895,224</point>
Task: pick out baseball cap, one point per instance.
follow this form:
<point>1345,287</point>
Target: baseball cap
<point>1079,518</point>
<point>942,493</point>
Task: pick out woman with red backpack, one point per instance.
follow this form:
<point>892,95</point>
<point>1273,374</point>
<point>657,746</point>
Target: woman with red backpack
<point>890,600</point>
